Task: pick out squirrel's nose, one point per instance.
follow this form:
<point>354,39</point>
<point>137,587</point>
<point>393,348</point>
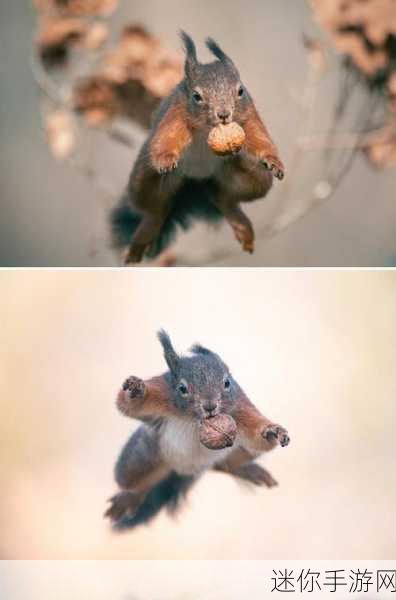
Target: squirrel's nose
<point>210,406</point>
<point>223,115</point>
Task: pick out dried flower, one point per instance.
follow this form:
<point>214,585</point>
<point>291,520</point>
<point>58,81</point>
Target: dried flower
<point>365,32</point>
<point>360,29</point>
<point>316,54</point>
<point>381,150</point>
<point>95,36</point>
<point>81,8</point>
<point>55,35</point>
<point>135,75</point>
<point>59,133</point>
<point>97,100</point>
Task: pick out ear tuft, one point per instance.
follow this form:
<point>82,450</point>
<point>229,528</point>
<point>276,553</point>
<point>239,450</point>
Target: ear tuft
<point>189,45</point>
<point>198,349</point>
<point>217,51</point>
<point>191,53</point>
<point>171,357</point>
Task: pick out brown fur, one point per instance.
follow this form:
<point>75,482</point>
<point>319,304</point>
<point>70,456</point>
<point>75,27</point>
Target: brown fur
<point>171,137</point>
<point>140,465</point>
<point>157,174</point>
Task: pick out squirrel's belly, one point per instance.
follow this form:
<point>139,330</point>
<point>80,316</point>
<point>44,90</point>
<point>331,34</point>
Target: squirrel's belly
<point>199,161</point>
<point>182,450</point>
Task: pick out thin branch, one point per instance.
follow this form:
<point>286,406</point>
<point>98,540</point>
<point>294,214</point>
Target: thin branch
<point>348,140</point>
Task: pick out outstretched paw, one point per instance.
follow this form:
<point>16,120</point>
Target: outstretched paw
<point>272,163</point>
<point>130,396</point>
<point>166,162</point>
<point>276,433</point>
<point>135,387</point>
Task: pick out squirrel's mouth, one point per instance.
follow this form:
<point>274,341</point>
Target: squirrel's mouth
<point>216,122</point>
<point>208,414</point>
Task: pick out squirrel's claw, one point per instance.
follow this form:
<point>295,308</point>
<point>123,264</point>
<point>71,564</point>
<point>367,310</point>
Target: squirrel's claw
<point>134,386</point>
<point>168,169</point>
<point>274,165</point>
<point>245,237</point>
<point>165,163</point>
<point>122,504</point>
<point>276,432</point>
<point>132,392</point>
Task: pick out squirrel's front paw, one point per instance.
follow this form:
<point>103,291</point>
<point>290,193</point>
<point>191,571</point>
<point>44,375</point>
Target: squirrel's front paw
<point>133,390</point>
<point>272,163</point>
<point>134,386</point>
<point>165,162</point>
<point>276,433</point>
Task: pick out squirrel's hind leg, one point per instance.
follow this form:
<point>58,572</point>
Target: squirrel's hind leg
<point>143,238</point>
<point>236,218</point>
<point>150,194</point>
<point>138,469</point>
<point>254,473</point>
<point>240,464</point>
<point>123,504</point>
<point>241,180</point>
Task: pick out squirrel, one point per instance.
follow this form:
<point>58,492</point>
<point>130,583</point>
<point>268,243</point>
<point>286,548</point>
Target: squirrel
<point>164,457</point>
<point>177,178</point>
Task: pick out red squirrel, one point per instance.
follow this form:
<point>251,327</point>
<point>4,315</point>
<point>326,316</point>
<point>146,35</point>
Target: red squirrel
<point>177,178</point>
<point>164,456</point>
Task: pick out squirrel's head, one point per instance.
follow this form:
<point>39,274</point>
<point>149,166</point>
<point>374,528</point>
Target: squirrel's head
<point>215,93</point>
<point>202,383</point>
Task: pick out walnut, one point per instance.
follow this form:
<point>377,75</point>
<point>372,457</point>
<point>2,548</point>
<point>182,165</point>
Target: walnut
<point>218,432</point>
<point>226,139</point>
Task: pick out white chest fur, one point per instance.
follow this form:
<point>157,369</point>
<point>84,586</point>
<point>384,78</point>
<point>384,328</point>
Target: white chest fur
<point>182,450</point>
<point>199,161</point>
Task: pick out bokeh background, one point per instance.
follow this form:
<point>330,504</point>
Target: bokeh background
<point>53,216</point>
<point>314,350</point>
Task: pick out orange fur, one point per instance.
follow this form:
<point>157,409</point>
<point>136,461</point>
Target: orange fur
<point>251,425</point>
<point>154,403</point>
<point>170,138</point>
<point>258,141</point>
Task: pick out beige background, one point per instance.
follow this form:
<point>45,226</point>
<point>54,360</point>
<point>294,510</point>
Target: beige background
<point>173,580</point>
<point>52,216</point>
<point>314,350</point>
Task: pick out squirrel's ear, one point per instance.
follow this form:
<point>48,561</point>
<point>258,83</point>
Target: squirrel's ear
<point>171,357</point>
<point>198,349</point>
<point>191,54</point>
<point>218,52</point>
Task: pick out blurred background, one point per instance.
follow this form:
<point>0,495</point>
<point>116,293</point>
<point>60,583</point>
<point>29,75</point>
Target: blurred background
<point>78,97</point>
<point>313,350</point>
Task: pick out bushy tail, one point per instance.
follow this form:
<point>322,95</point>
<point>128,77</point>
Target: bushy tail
<point>191,202</point>
<point>167,493</point>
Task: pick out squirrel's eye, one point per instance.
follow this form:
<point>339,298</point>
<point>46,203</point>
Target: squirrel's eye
<point>241,91</point>
<point>197,97</point>
<point>183,389</point>
<point>227,383</point>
